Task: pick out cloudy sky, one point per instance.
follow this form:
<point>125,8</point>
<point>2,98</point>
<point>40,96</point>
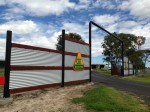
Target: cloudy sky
<point>39,22</point>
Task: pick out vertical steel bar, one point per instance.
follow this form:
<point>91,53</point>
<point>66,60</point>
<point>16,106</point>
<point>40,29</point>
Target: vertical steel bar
<point>6,92</point>
<point>122,58</point>
<point>63,57</point>
<point>90,34</point>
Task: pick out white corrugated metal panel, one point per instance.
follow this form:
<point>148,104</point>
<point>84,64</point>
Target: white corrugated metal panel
<point>27,57</point>
<point>71,75</point>
<point>69,61</point>
<point>20,79</point>
<point>76,47</point>
<point>125,72</point>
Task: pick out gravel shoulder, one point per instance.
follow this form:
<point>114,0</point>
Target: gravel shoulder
<point>48,100</point>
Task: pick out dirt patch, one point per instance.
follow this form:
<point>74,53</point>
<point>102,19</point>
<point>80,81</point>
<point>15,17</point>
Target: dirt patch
<point>48,100</point>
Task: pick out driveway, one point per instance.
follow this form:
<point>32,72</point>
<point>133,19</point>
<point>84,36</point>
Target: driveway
<point>140,89</point>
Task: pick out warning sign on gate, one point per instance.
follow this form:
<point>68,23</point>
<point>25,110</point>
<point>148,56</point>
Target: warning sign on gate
<point>78,63</point>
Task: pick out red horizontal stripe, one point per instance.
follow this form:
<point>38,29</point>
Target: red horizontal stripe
<point>35,67</point>
<point>18,90</point>
<point>76,41</point>
<point>75,54</point>
<point>15,68</point>
<point>45,49</point>
<point>35,48</point>
<point>12,91</point>
<point>77,82</point>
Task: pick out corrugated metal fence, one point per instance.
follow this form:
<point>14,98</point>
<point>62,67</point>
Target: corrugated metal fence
<point>33,67</point>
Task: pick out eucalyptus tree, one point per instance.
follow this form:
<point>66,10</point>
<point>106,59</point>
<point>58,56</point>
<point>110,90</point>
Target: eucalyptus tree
<point>112,47</point>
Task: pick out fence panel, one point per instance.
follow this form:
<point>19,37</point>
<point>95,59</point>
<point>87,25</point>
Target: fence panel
<point>73,46</point>
<point>30,57</point>
<point>33,78</point>
<point>32,68</point>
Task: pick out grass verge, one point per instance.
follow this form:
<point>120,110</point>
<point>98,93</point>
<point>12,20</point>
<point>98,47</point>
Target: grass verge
<point>1,74</point>
<point>107,99</point>
<point>142,78</point>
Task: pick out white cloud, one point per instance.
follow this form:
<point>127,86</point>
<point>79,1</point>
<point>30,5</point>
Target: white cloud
<point>124,5</point>
<point>83,4</point>
<point>11,16</point>
<point>32,39</point>
<point>112,27</point>
<point>104,4</point>
<point>77,28</point>
<point>2,2</point>
<point>138,30</point>
<point>128,24</point>
<point>35,40</point>
<point>139,8</point>
<point>42,7</point>
<point>97,47</point>
<point>19,27</point>
<point>40,40</point>
<point>105,19</point>
<point>74,27</point>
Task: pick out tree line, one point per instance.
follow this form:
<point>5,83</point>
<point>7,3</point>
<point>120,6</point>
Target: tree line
<point>112,50</point>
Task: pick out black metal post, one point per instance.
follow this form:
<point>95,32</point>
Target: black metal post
<point>111,67</point>
<point>90,34</point>
<point>122,58</point>
<point>6,92</point>
<point>133,68</point>
<point>128,66</point>
<point>63,57</point>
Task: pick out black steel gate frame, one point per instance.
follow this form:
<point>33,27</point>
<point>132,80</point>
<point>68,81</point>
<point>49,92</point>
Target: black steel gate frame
<point>101,28</point>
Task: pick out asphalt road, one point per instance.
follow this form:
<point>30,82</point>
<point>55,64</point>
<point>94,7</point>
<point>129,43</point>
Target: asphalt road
<point>142,90</point>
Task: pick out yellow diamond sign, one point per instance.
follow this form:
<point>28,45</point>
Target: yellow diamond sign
<point>78,63</point>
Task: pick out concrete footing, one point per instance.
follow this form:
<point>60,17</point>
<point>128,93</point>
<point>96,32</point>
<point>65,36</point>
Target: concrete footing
<point>4,101</point>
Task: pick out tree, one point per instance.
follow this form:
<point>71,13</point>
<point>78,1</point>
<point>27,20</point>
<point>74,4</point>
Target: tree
<point>146,56</point>
<point>112,46</point>
<point>112,50</point>
<point>137,58</point>
<point>74,36</point>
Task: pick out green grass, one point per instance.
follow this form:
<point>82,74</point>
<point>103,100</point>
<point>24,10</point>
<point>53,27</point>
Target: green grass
<point>142,78</point>
<point>107,99</point>
<point>1,74</point>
